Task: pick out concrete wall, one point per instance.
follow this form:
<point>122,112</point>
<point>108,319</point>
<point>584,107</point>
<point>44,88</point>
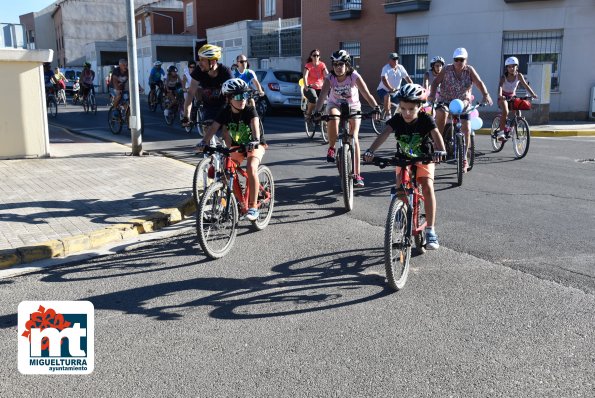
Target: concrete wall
<point>484,22</point>
<point>23,119</point>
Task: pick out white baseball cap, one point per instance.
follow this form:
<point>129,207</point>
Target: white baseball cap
<point>460,53</point>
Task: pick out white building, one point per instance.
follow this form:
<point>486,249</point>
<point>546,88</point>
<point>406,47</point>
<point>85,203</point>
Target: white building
<point>556,31</point>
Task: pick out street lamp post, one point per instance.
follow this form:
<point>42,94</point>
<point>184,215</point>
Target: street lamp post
<point>135,118</point>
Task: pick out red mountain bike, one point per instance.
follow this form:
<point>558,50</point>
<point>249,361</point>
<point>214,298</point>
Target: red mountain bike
<point>225,202</point>
<point>405,222</point>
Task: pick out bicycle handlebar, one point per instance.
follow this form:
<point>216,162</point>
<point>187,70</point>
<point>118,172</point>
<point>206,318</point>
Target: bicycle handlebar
<point>468,110</point>
<point>399,160</point>
<point>225,151</point>
<point>367,115</point>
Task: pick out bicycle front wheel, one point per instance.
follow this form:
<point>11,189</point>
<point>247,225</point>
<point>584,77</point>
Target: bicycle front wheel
<point>521,137</point>
<point>216,221</point>
<point>496,145</point>
<point>169,115</point>
<point>460,159</point>
<point>152,101</point>
<point>397,249</point>
<point>323,132</point>
<point>346,172</point>
<point>92,104</point>
<point>449,142</point>
<point>266,198</point>
<point>310,127</point>
<point>114,119</point>
<point>379,124</point>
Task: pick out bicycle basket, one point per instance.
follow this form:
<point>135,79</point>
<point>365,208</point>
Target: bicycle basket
<point>521,105</point>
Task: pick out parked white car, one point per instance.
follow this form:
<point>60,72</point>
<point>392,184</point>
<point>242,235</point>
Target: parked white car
<point>281,87</point>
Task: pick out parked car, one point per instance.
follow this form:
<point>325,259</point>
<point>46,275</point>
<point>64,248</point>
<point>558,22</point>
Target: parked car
<point>281,87</point>
<point>71,74</point>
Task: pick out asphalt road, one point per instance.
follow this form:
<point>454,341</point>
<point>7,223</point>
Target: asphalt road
<point>504,308</point>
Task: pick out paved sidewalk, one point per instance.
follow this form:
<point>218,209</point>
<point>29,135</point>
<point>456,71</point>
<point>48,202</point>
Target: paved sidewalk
<point>555,129</point>
<point>88,194</point>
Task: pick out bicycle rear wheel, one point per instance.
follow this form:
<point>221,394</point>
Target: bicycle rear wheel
<point>420,239</point>
<point>201,179</point>
<point>216,221</point>
<point>52,107</point>
<point>496,145</point>
<point>471,152</point>
<point>460,159</point>
<point>447,134</point>
<point>266,198</point>
<point>521,137</point>
<point>85,105</point>
<point>346,172</point>
<point>114,119</point>
<point>397,250</point>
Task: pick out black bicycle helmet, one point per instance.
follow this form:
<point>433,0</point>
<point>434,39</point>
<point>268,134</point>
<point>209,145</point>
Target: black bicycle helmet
<point>411,92</point>
<point>340,56</point>
<point>171,69</point>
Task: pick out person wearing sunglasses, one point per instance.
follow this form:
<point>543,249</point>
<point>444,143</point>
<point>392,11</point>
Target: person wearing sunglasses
<point>390,81</point>
<point>342,85</point>
<point>244,72</point>
<point>314,73</point>
<point>240,126</point>
<point>456,81</point>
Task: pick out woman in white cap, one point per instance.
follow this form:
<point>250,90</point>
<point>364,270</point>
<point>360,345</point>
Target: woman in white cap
<point>456,81</point>
<point>508,84</point>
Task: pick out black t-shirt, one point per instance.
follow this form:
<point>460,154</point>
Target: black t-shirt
<point>238,124</point>
<point>413,139</point>
<point>122,78</point>
<point>211,86</point>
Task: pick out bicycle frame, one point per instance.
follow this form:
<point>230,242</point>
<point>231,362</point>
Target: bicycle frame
<point>409,184</point>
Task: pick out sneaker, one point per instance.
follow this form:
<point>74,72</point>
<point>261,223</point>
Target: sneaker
<point>330,155</point>
<point>359,181</point>
<point>252,214</point>
<point>431,240</point>
<point>501,136</point>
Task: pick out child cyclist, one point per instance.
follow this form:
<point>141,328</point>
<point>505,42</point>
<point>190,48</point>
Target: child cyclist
<point>416,135</point>
<point>240,125</point>
<point>509,82</point>
<point>343,84</point>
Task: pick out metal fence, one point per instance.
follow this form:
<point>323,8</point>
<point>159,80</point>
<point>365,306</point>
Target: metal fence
<point>281,38</point>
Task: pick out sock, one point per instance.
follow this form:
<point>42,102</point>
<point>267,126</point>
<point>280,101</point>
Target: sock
<point>430,229</point>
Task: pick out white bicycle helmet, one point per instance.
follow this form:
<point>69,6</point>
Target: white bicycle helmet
<point>210,52</point>
<point>411,92</point>
<point>234,86</point>
<point>340,56</point>
<point>460,53</point>
<point>157,63</point>
<point>437,59</point>
<point>511,61</point>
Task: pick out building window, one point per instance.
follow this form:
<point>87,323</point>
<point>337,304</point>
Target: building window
<point>269,8</point>
<point>534,46</point>
<point>190,14</point>
<point>139,28</point>
<point>413,55</point>
<point>353,48</point>
<point>147,25</point>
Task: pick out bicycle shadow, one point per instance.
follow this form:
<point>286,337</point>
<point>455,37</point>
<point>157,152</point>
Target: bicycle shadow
<point>312,283</point>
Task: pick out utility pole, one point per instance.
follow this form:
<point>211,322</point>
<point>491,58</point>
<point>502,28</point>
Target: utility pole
<point>135,119</point>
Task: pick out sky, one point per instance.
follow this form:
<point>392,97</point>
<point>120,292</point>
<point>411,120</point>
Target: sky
<point>12,9</point>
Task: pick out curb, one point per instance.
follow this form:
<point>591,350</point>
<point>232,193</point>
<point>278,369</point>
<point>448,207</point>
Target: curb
<point>74,244</point>
<point>549,133</point>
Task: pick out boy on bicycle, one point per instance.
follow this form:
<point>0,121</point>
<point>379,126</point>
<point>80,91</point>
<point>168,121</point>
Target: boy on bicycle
<point>416,135</point>
<point>240,125</point>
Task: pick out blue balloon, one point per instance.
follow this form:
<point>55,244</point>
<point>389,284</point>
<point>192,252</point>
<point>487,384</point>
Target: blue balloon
<point>456,106</point>
<point>476,123</point>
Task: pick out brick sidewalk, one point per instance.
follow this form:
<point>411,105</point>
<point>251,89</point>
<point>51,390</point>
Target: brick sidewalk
<point>84,187</point>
